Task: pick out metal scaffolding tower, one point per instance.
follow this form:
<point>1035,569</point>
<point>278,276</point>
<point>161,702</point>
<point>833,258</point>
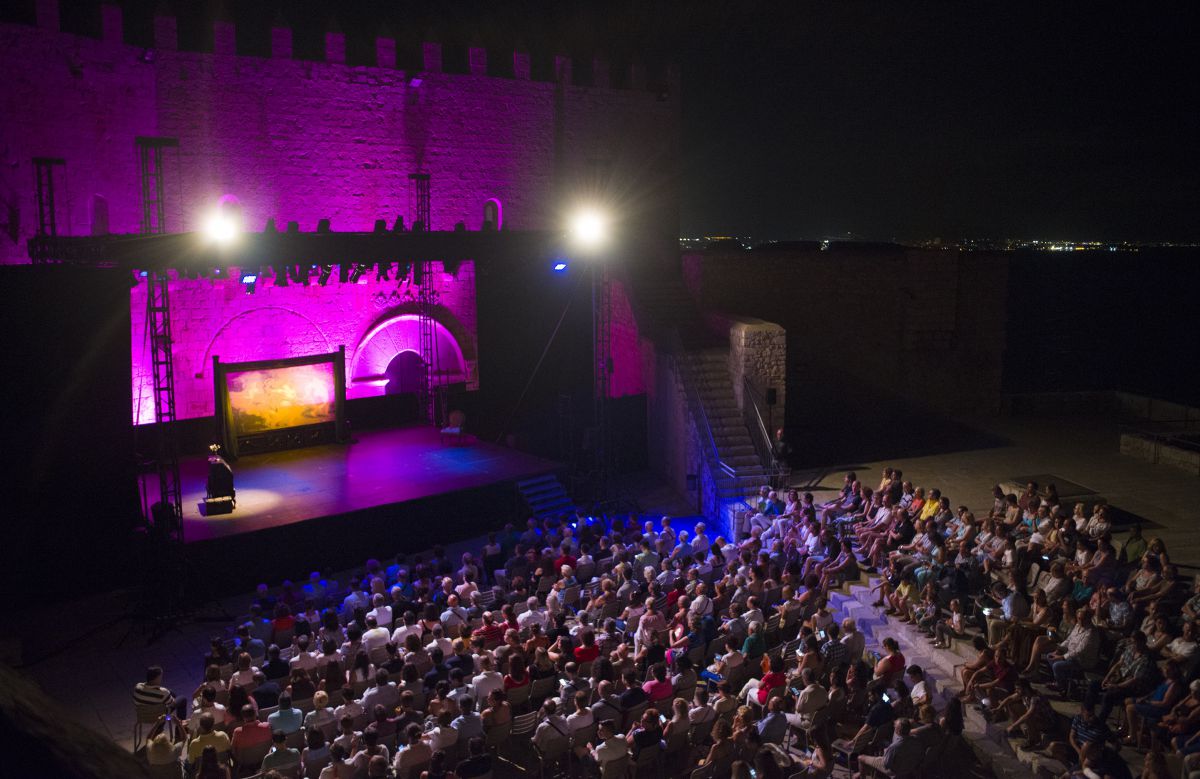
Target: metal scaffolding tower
<point>167,514</point>
<point>431,379</point>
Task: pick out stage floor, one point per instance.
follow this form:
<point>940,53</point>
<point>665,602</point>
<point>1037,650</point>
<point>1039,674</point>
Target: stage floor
<point>381,467</point>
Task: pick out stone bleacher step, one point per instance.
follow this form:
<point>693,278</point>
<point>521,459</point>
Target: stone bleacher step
<point>990,742</point>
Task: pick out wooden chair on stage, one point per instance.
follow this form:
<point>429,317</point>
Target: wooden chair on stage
<point>455,428</point>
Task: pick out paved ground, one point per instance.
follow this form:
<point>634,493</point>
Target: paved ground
<point>94,673</point>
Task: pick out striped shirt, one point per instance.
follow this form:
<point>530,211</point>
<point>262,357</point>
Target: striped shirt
<point>145,694</point>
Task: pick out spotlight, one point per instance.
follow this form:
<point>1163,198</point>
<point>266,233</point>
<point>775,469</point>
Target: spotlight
<point>221,228</point>
<point>384,269</point>
<point>248,281</point>
<point>326,272</point>
<point>323,226</point>
<point>357,273</point>
<point>588,228</point>
<point>560,267</point>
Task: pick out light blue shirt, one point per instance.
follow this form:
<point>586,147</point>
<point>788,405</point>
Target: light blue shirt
<point>287,720</point>
<point>468,726</point>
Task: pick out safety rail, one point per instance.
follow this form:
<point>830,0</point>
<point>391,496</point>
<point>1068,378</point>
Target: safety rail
<point>689,376</point>
<point>753,402</point>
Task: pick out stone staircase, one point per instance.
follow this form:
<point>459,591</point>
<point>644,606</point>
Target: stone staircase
<point>667,314</point>
<point>990,742</point>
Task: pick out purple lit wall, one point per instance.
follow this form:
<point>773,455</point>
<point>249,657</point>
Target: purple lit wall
<point>301,141</point>
<point>374,320</point>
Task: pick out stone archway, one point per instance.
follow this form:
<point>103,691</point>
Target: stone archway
<point>392,337</point>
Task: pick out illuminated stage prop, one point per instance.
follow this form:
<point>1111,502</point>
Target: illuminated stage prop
<point>280,404</point>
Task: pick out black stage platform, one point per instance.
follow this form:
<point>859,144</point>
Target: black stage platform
<point>332,506</point>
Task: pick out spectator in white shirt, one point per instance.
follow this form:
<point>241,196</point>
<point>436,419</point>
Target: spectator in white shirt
<point>408,626</point>
<point>855,641</point>
<point>533,615</point>
<point>609,746</point>
<point>350,705</point>
<point>488,679</point>
<point>381,611</point>
<point>375,638</point>
<point>700,542</point>
<point>552,728</point>
<point>440,641</point>
<point>921,687</point>
<point>302,658</point>
<point>244,675</point>
<point>582,717</point>
<point>382,693</point>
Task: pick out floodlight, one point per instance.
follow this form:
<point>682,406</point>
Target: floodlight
<point>588,228</point>
<point>221,228</point>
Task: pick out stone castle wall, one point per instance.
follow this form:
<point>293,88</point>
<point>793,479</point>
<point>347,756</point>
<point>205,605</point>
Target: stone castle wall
<point>301,141</point>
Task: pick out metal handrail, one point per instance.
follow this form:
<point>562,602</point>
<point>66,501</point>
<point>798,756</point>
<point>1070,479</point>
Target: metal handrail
<point>753,415</point>
<point>688,374</point>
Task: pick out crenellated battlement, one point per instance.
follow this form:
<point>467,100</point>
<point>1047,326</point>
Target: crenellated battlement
<point>597,73</point>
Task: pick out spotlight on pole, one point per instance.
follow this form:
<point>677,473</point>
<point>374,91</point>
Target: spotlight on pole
<point>588,228</point>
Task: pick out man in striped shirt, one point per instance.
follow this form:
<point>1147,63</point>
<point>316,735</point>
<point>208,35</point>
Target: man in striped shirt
<point>151,693</point>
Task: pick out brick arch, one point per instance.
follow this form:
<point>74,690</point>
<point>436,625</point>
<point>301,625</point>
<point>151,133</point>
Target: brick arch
<point>265,333</point>
<point>399,331</point>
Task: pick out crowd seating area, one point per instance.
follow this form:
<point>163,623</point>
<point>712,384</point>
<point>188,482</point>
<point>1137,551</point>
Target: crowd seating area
<point>883,632</point>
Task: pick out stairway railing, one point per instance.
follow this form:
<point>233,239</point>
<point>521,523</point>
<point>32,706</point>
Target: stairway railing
<point>689,377</point>
<point>753,403</point>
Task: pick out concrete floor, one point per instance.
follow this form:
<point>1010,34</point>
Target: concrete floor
<point>94,673</point>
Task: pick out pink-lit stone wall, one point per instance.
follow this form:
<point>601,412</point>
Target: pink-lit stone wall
<point>374,320</point>
<point>300,141</point>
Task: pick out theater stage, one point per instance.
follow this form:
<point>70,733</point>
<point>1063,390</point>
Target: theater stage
<point>388,491</point>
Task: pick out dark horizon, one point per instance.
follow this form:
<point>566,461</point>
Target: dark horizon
<point>904,123</point>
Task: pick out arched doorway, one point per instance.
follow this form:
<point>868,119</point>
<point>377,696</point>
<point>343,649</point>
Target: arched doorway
<point>405,374</point>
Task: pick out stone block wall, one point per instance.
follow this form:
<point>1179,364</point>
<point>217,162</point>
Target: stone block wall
<point>928,326</point>
<point>302,141</point>
<point>374,320</point>
<point>758,351</point>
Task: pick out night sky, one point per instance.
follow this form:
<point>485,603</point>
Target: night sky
<point>866,120</point>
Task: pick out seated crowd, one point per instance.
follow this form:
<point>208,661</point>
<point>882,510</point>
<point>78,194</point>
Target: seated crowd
<point>607,647</point>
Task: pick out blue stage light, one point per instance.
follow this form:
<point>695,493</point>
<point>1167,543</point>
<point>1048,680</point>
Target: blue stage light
<point>559,267</point>
<point>249,278</point>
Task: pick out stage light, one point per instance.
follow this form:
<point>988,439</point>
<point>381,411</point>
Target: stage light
<point>559,267</point>
<point>326,272</point>
<point>221,228</point>
<point>248,281</point>
<point>384,269</point>
<point>357,273</point>
<point>588,228</point>
<point>281,276</point>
